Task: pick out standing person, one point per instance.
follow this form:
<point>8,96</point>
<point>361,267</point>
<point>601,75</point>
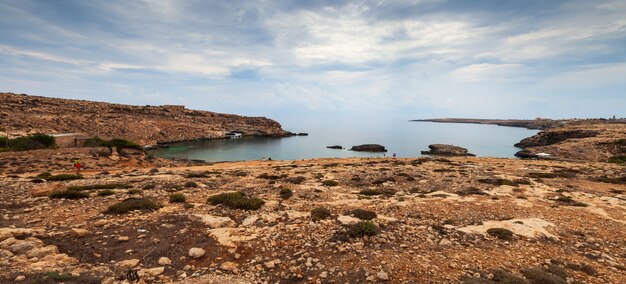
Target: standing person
<point>394,155</point>
<point>77,166</point>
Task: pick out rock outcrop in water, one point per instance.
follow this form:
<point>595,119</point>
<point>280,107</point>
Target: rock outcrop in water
<point>338,147</point>
<point>446,150</point>
<point>369,148</point>
<point>141,124</point>
<point>545,138</point>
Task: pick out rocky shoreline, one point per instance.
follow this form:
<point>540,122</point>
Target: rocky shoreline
<point>146,125</point>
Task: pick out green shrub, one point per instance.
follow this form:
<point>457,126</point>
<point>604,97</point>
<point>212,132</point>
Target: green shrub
<point>236,200</point>
<point>295,180</point>
<point>191,184</point>
<point>320,213</point>
<point>197,175</point>
<point>567,200</point>
<point>619,159</point>
<point>285,193</point>
<point>30,142</point>
<point>44,175</point>
<point>134,191</point>
<point>362,229</point>
<point>68,194</point>
<point>268,176</point>
<point>500,233</point>
<point>131,204</point>
<point>362,214</point>
<point>100,186</point>
<point>370,192</point>
<point>330,183</point>
<point>105,192</point>
<point>188,206</point>
<point>177,198</point>
<point>539,275</point>
<point>124,144</point>
<point>118,144</point>
<point>59,277</point>
<point>148,186</point>
<point>62,177</point>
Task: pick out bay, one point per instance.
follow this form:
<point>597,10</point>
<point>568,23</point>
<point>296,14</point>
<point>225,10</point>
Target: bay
<point>404,138</point>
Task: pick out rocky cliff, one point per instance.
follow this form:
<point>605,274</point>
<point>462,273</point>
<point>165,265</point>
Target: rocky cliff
<point>142,124</point>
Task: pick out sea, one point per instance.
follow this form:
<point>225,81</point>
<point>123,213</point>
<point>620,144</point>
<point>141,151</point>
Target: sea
<point>404,138</point>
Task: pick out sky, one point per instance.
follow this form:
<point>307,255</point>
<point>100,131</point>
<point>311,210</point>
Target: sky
<point>300,61</point>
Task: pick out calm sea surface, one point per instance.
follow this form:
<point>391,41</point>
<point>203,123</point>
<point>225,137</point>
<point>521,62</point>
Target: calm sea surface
<point>406,139</point>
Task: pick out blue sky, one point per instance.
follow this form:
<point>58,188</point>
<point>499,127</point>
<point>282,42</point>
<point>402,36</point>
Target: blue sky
<point>298,60</point>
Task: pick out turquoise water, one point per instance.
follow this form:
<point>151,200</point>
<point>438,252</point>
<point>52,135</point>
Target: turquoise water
<point>406,139</point>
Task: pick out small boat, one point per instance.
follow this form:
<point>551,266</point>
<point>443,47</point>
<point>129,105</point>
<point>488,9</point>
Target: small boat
<point>233,135</point>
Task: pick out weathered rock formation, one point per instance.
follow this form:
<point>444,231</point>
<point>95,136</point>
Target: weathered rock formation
<point>142,124</point>
<point>338,147</point>
<point>369,148</point>
<point>545,138</point>
<point>446,150</point>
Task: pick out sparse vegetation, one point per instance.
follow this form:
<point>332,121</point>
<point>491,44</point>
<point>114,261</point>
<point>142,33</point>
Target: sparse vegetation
<point>285,193</point>
<point>100,186</point>
<point>370,192</point>
<point>236,200</point>
<point>59,277</point>
<point>539,275</point>
<point>362,229</point>
<point>30,142</point>
<point>177,198</point>
<point>190,184</point>
<point>63,177</point>
<point>118,144</point>
<point>134,191</point>
<point>320,213</point>
<point>295,180</point>
<point>68,194</point>
<point>197,175</point>
<point>568,200</point>
<point>362,214</point>
<point>330,183</point>
<point>131,204</point>
<point>501,181</point>
<point>105,192</point>
<point>618,159</point>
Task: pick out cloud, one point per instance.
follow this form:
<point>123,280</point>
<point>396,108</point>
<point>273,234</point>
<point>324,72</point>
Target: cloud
<point>486,72</point>
<point>430,56</point>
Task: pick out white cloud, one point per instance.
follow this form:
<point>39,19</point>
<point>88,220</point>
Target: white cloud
<point>486,72</point>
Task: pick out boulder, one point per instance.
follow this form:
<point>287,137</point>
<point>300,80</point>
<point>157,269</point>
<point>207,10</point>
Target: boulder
<point>369,148</point>
<point>338,147</point>
<point>196,252</point>
<point>446,150</point>
<point>164,261</point>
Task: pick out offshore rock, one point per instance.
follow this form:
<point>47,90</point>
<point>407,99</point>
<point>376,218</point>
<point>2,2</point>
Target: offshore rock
<point>446,150</point>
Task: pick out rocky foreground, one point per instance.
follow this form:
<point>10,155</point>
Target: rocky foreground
<point>366,220</point>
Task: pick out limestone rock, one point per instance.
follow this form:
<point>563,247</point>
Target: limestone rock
<point>78,232</point>
<point>151,271</point>
<point>164,261</point>
<point>229,266</point>
<point>196,252</point>
<point>347,220</point>
<point>214,221</point>
<point>129,263</point>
